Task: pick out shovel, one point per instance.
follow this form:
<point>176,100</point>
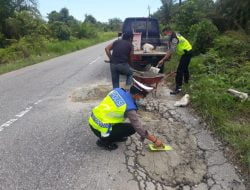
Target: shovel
<point>165,147</point>
<point>154,70</point>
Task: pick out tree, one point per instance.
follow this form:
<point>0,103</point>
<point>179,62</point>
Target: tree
<point>60,30</point>
<point>87,30</point>
<point>62,16</point>
<point>164,14</point>
<point>203,34</point>
<point>24,23</point>
<point>53,17</point>
<point>115,24</point>
<point>90,19</point>
<point>191,12</point>
<point>237,12</point>
<point>9,7</point>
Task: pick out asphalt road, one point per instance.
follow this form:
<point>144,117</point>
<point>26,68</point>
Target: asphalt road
<point>45,142</point>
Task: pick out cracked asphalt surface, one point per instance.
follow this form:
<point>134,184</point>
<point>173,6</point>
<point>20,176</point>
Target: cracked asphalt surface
<point>196,162</point>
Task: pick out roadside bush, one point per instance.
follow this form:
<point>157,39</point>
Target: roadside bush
<point>2,40</point>
<point>202,35</point>
<point>24,48</point>
<point>233,44</point>
<point>87,30</point>
<point>224,66</point>
<point>25,23</point>
<point>60,30</point>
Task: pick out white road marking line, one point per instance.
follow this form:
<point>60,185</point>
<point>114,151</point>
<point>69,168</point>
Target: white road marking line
<point>39,101</point>
<point>22,113</point>
<point>18,116</point>
<point>7,124</point>
<point>94,60</point>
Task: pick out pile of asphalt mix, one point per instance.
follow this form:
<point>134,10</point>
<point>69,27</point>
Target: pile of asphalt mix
<point>90,93</point>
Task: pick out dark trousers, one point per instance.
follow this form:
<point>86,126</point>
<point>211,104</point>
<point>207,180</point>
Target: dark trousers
<point>119,131</point>
<point>120,68</point>
<point>182,70</point>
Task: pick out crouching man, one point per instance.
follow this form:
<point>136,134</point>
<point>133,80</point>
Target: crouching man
<point>107,118</point>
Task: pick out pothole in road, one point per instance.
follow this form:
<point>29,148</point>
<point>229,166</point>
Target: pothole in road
<point>182,165</point>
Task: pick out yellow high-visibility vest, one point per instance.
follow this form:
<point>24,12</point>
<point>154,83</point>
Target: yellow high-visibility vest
<point>183,44</point>
<point>111,111</point>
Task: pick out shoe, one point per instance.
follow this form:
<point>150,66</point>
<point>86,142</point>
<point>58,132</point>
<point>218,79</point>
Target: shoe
<point>106,145</point>
<point>176,91</point>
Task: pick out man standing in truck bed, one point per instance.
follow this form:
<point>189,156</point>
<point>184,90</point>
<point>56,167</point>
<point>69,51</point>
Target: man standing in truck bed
<point>120,59</point>
<point>181,46</point>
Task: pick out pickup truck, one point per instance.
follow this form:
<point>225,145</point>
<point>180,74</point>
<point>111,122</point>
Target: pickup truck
<point>149,32</point>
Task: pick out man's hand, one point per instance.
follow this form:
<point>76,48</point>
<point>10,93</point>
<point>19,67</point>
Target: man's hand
<point>156,141</point>
<point>167,57</point>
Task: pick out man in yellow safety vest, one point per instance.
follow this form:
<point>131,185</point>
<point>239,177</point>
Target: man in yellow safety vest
<point>180,45</point>
<point>107,118</point>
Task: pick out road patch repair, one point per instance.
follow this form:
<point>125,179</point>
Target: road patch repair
<point>196,161</point>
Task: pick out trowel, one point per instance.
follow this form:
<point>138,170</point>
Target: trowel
<point>154,70</point>
<point>165,147</point>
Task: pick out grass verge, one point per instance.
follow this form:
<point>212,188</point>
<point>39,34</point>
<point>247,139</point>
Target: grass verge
<point>22,54</point>
<point>224,66</point>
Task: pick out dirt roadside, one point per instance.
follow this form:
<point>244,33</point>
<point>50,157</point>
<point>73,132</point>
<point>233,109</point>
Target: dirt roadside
<point>197,161</point>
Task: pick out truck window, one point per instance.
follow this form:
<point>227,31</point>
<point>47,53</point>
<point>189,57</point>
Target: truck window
<point>143,26</point>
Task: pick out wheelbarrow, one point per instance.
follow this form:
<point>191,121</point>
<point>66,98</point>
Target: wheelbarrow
<point>150,80</point>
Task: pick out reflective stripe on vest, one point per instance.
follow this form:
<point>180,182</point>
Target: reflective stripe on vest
<point>110,111</point>
<point>183,44</point>
<point>105,129</point>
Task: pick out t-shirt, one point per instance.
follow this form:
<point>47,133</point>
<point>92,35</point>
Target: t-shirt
<point>173,43</point>
<point>121,51</point>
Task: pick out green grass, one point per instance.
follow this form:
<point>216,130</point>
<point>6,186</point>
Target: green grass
<point>225,66</point>
<point>50,49</point>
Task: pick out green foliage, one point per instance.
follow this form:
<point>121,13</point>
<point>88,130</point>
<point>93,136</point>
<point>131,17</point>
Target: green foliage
<point>25,23</point>
<point>203,34</point>
<point>165,13</point>
<point>233,44</point>
<point>225,66</point>
<point>115,24</point>
<point>62,16</point>
<point>90,19</point>
<point>60,30</point>
<point>2,40</point>
<point>191,12</point>
<point>236,12</point>
<point>24,48</point>
<point>87,30</point>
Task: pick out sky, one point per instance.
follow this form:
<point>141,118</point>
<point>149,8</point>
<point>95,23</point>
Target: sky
<point>102,10</point>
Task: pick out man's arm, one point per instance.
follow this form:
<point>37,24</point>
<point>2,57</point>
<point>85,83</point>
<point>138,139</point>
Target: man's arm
<point>169,53</point>
<point>164,59</point>
<point>108,50</point>
<point>132,115</point>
